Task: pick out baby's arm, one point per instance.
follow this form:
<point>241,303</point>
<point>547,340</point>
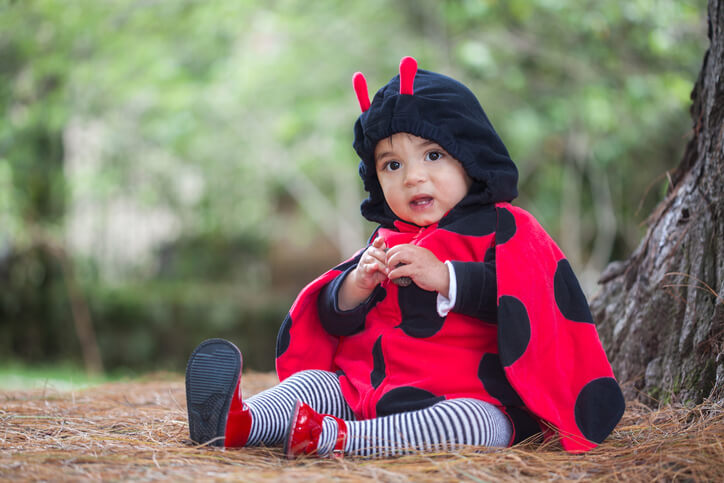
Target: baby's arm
<point>370,271</point>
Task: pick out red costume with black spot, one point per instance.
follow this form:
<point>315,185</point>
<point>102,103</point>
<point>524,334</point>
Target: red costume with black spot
<point>541,362</point>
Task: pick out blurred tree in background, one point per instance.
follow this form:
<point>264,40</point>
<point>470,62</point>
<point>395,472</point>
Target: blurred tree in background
<point>175,170</point>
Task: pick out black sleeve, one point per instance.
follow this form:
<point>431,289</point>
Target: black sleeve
<point>342,322</point>
<point>477,290</point>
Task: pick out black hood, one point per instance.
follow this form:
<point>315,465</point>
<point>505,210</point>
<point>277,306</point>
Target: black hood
<point>445,111</point>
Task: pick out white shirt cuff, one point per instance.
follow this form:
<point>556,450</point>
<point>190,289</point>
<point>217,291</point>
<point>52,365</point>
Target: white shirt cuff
<point>446,304</point>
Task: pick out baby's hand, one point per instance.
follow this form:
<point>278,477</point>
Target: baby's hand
<point>372,268</point>
<point>421,265</point>
<point>369,272</point>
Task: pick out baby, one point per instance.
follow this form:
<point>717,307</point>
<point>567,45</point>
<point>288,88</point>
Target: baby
<point>461,323</point>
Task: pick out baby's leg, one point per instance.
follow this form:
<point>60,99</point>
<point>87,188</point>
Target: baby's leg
<point>445,426</point>
<point>272,409</point>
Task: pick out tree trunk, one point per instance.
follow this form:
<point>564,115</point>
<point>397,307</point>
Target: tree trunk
<point>661,312</point>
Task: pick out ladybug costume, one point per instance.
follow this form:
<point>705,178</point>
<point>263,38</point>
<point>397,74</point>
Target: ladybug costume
<point>535,354</point>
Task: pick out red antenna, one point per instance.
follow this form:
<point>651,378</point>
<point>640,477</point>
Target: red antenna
<point>408,69</point>
<point>360,88</point>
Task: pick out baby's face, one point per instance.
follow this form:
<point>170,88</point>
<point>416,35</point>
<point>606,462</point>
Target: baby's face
<point>420,180</point>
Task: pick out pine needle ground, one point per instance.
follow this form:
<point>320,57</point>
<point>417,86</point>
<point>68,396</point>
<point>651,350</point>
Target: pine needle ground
<point>138,431</point>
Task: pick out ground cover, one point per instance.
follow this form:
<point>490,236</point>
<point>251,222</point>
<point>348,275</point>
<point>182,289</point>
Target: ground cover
<point>137,430</point>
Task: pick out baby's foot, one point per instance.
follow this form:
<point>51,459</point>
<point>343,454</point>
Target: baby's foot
<point>212,379</point>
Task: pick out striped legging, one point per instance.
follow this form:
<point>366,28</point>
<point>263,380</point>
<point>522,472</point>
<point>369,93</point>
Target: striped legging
<point>446,425</point>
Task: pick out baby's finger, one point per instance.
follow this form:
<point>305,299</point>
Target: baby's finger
<point>401,275</point>
<point>372,266</point>
<point>403,248</point>
<point>379,242</point>
<point>395,259</point>
<point>377,254</point>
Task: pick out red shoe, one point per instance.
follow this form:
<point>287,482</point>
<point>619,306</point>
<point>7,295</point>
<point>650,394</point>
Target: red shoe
<point>217,415</point>
<point>238,421</point>
<point>305,427</point>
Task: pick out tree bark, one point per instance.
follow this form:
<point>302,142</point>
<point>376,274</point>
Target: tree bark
<point>661,312</point>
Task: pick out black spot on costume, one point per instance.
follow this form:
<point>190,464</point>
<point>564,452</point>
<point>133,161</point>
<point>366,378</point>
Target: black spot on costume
<point>569,296</point>
<point>378,358</point>
<point>419,312</point>
<point>406,398</point>
<point>514,334</point>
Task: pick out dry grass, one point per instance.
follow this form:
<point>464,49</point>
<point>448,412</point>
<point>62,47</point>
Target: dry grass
<point>138,431</point>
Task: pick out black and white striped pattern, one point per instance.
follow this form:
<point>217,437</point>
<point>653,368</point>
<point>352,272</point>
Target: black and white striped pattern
<point>271,409</point>
<point>445,426</point>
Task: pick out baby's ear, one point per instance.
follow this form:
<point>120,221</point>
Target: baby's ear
<point>468,179</point>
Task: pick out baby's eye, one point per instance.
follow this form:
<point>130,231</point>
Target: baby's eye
<point>392,165</point>
<point>433,156</point>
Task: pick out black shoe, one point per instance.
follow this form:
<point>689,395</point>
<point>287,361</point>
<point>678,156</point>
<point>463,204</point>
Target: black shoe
<point>212,374</point>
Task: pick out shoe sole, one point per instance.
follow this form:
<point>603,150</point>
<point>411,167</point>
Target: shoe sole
<point>290,429</point>
<point>212,374</point>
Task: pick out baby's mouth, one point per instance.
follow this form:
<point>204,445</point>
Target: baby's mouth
<point>421,201</point>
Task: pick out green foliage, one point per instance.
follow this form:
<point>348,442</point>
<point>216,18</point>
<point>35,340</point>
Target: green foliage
<point>163,321</point>
<point>594,86</point>
<point>34,311</point>
<point>224,126</point>
<point>51,378</point>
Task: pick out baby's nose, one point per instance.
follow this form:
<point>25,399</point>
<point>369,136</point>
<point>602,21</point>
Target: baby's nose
<point>415,174</point>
